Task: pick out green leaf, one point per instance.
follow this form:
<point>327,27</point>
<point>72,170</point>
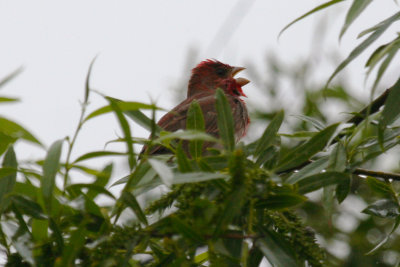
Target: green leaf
<point>50,168</point>
<point>225,120</point>
<point>338,158</point>
<point>40,230</point>
<point>196,177</point>
<point>87,82</point>
<point>195,121</point>
<point>185,135</point>
<point>269,134</point>
<point>305,151</point>
<point>187,231</point>
<point>318,8</point>
<point>384,208</point>
<point>96,154</point>
<point>381,187</point>
<point>141,119</point>
<point>343,189</point>
<point>232,206</point>
<point>391,109</point>
<point>92,187</point>
<point>355,10</point>
<point>277,250</point>
<point>280,201</point>
<point>73,247</point>
<point>125,129</point>
<point>381,28</point>
<point>28,207</point>
<point>15,130</point>
<point>101,180</point>
<point>131,202</point>
<point>122,105</point>
<point>391,54</point>
<point>8,175</point>
<point>163,171</point>
<point>317,181</point>
<point>8,99</point>
<point>383,242</point>
<point>182,159</point>
<point>316,123</point>
<point>10,76</point>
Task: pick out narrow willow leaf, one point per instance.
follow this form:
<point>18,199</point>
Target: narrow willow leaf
<point>383,242</point>
<point>376,27</point>
<point>75,243</point>
<point>95,188</point>
<point>15,130</point>
<point>383,26</point>
<point>196,177</point>
<point>343,189</point>
<point>338,158</point>
<point>381,187</point>
<point>318,8</point>
<point>96,154</point>
<point>50,168</point>
<point>355,10</point>
<point>225,120</point>
<point>163,171</point>
<point>123,106</point>
<point>383,67</point>
<point>101,180</point>
<point>195,121</point>
<point>40,229</point>
<point>269,134</point>
<point>29,207</point>
<point>391,109</point>
<point>182,159</point>
<point>317,181</point>
<point>187,231</point>
<point>277,250</point>
<point>232,206</point>
<point>125,129</point>
<point>8,99</point>
<point>87,82</point>
<point>185,135</point>
<point>305,151</point>
<point>131,202</point>
<point>8,179</point>
<point>316,123</point>
<point>10,76</point>
<point>384,208</point>
<point>280,201</point>
<point>201,258</point>
<point>141,119</point>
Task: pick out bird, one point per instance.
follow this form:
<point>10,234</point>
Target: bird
<point>206,78</point>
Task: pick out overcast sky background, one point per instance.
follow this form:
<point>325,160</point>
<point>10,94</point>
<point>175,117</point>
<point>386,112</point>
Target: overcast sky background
<point>143,47</point>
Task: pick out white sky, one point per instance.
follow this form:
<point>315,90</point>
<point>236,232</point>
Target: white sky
<point>142,48</point>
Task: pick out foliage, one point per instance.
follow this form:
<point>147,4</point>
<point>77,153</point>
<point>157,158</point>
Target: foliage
<point>277,198</point>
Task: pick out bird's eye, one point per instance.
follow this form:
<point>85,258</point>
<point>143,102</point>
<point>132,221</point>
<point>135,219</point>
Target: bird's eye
<point>221,72</point>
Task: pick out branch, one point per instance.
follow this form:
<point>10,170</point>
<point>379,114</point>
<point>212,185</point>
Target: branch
<point>383,175</point>
<point>371,108</point>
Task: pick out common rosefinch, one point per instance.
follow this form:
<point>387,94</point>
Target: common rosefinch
<point>206,78</point>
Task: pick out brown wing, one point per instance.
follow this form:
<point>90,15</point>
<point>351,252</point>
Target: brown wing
<point>176,118</point>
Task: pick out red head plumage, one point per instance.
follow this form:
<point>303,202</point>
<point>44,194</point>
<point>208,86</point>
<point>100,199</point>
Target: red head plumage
<point>211,74</point>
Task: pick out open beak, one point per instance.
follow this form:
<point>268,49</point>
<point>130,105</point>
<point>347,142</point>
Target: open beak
<point>240,81</point>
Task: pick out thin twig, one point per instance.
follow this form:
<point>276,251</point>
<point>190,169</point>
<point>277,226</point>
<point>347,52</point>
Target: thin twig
<point>378,174</point>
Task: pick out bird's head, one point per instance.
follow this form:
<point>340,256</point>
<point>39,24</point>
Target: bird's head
<point>212,74</point>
